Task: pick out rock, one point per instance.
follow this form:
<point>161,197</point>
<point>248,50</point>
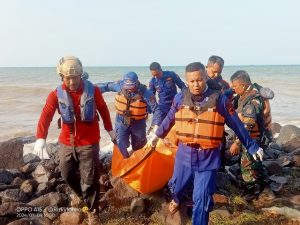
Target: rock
<point>119,193</point>
<point>223,212</point>
<point>287,133</point>
<point>273,167</point>
<point>5,176</point>
<point>295,200</point>
<point>292,144</point>
<point>235,170</point>
<point>278,179</point>
<point>50,199</point>
<point>75,201</point>
<point>266,195</point>
<point>13,195</point>
<point>137,205</point>
<point>52,151</point>
<point>275,128</point>
<point>63,188</point>
<point>179,217</point>
<point>17,181</point>
<point>295,152</point>
<point>23,221</point>
<point>294,187</point>
<point>29,167</point>
<point>31,158</point>
<point>41,174</point>
<point>42,188</point>
<point>274,145</point>
<point>104,183</point>
<point>28,186</point>
<point>50,213</point>
<point>15,172</point>
<point>222,180</point>
<point>3,187</point>
<point>27,139</point>
<point>286,160</point>
<point>276,187</point>
<point>285,211</point>
<point>71,218</point>
<point>11,152</point>
<point>296,160</point>
<point>220,199</point>
<point>12,208</point>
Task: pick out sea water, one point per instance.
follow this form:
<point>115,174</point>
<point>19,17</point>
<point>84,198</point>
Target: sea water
<point>23,92</point>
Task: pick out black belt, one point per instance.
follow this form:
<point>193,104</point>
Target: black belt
<point>194,145</point>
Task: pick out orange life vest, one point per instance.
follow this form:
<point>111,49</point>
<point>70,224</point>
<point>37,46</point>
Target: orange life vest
<point>202,126</point>
<point>134,108</point>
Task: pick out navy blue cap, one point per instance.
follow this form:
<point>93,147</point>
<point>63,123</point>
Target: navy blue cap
<point>130,80</point>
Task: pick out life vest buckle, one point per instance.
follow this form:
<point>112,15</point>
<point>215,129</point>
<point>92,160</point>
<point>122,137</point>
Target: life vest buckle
<point>197,108</point>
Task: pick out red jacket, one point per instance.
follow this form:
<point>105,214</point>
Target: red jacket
<point>83,133</point>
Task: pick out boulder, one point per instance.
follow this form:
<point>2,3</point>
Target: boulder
<point>3,187</point>
<point>50,213</point>
<point>5,176</point>
<point>11,208</point>
<point>41,174</point>
<point>13,195</point>
<point>119,194</point>
<point>296,160</point>
<point>17,181</point>
<point>29,167</point>
<point>285,211</point>
<point>273,167</point>
<point>295,200</point>
<point>292,144</point>
<point>23,221</point>
<point>52,150</point>
<point>31,158</point>
<point>137,205</point>
<point>275,128</point>
<point>287,133</point>
<point>11,152</point>
<point>71,218</point>
<point>42,188</point>
<point>28,186</point>
<point>50,199</point>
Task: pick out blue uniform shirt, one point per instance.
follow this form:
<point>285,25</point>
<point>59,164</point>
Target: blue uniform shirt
<point>204,159</point>
<point>166,89</point>
<point>148,96</point>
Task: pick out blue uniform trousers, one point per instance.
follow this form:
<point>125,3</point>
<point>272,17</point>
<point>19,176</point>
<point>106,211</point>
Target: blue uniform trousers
<point>204,188</point>
<point>136,131</point>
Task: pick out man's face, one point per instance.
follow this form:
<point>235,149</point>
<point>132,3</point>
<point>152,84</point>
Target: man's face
<point>72,82</point>
<point>239,87</point>
<point>156,73</point>
<point>213,70</point>
<point>196,81</point>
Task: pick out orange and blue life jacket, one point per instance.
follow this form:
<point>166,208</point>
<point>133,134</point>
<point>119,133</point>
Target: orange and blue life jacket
<point>200,125</point>
<point>134,107</point>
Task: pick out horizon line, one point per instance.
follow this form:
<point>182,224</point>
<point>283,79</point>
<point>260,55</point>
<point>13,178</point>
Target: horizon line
<point>148,66</point>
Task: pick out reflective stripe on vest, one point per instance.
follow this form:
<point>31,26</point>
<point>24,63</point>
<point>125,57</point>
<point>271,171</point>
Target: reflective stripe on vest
<point>137,106</point>
<point>200,125</point>
<point>87,104</point>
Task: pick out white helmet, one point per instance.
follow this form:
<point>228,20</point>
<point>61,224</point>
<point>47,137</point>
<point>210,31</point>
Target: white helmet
<point>69,66</point>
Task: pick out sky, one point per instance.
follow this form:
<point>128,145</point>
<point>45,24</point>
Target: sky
<point>137,32</point>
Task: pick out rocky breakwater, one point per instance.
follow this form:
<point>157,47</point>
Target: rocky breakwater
<point>33,192</point>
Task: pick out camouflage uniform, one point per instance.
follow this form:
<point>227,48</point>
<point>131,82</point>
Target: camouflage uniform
<point>250,111</point>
